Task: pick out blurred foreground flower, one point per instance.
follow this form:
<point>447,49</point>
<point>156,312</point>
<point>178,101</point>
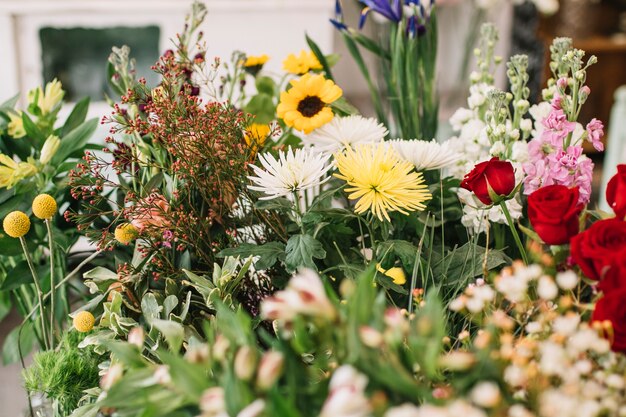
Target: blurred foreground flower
<point>304,296</point>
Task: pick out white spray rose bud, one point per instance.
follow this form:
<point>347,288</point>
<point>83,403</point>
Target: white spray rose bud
<point>245,363</point>
<point>136,337</point>
<point>270,369</point>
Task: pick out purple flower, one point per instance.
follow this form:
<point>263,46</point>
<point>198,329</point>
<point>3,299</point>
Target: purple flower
<point>595,131</point>
<point>392,11</point>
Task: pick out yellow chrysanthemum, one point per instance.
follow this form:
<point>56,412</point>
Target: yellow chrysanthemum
<point>381,181</point>
<point>15,129</point>
<point>16,224</point>
<point>302,63</point>
<point>84,321</point>
<point>305,105</point>
<point>44,206</point>
<point>126,233</point>
<point>256,134</point>
<point>253,61</point>
<point>396,274</point>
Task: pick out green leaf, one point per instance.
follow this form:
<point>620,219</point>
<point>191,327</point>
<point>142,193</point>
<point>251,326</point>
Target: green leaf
<point>32,131</point>
<point>172,331</point>
<point>150,308</point>
<point>342,106</point>
<point>466,262</point>
<point>154,183</point>
<point>266,85</point>
<point>76,117</point>
<point>10,103</point>
<point>100,279</point>
<point>126,353</point>
<point>10,350</point>
<point>279,204</point>
<point>320,57</point>
<point>74,141</point>
<point>269,253</point>
<point>262,107</point>
<point>186,377</point>
<point>405,251</point>
<point>300,251</point>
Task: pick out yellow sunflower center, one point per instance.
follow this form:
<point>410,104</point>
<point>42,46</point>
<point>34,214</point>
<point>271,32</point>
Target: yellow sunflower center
<point>310,106</point>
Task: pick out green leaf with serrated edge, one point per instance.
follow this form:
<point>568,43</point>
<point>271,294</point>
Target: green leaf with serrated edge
<point>300,251</point>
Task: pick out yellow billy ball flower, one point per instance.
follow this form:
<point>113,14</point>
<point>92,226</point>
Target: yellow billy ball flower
<point>302,63</point>
<point>396,274</point>
<point>126,233</point>
<point>16,224</point>
<point>305,105</point>
<point>381,181</point>
<point>44,206</point>
<point>84,321</point>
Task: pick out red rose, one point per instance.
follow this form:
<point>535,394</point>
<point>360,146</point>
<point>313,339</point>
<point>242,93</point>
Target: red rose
<point>553,211</point>
<point>595,248</point>
<point>497,174</point>
<point>612,308</point>
<point>615,275</point>
<point>616,192</point>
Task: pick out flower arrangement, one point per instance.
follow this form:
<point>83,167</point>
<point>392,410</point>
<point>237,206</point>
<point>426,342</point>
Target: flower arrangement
<point>286,258</point>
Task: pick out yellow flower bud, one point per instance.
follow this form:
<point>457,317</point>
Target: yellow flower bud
<point>126,233</point>
<point>50,147</point>
<point>53,95</point>
<point>84,321</point>
<point>16,224</point>
<point>44,206</point>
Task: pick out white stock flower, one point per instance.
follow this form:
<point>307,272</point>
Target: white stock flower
<point>293,171</point>
<point>346,394</point>
<point>305,295</point>
<point>460,117</point>
<point>343,132</point>
<point>425,155</point>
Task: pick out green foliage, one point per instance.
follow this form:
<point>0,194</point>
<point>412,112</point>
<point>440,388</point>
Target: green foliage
<point>63,374</point>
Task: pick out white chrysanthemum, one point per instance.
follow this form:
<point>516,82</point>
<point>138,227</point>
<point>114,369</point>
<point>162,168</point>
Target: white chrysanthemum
<point>293,171</point>
<point>342,132</point>
<point>423,154</point>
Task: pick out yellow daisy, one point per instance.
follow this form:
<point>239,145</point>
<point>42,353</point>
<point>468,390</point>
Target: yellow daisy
<point>305,105</point>
<point>302,63</point>
<point>253,61</point>
<point>381,181</point>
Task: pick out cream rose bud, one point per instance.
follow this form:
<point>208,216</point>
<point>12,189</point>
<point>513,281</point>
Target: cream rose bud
<point>112,375</point>
<point>220,347</point>
<point>457,361</point>
<point>346,394</point>
<point>370,336</point>
<point>270,369</point>
<point>254,409</point>
<point>162,375</point>
<point>404,410</point>
<point>245,363</point>
<point>486,394</point>
<point>212,402</point>
<point>136,337</point>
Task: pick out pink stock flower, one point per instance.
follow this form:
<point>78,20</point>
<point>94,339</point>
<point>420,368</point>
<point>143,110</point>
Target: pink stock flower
<point>557,102</point>
<point>150,212</point>
<point>562,83</point>
<point>557,126</point>
<point>595,131</point>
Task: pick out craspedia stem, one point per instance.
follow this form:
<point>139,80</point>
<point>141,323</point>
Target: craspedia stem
<point>33,272</point>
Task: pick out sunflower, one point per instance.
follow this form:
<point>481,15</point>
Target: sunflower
<point>381,181</point>
<point>302,63</point>
<point>305,105</point>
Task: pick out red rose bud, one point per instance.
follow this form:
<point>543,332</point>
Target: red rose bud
<point>553,211</point>
<point>612,309</point>
<point>494,175</point>
<point>616,192</point>
<point>594,249</point>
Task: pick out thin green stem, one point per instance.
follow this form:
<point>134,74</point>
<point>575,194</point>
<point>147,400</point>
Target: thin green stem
<point>52,290</point>
<point>39,292</point>
<point>518,241</point>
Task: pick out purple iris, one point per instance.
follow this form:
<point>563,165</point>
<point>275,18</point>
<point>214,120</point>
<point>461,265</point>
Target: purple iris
<point>338,20</point>
<point>392,11</point>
